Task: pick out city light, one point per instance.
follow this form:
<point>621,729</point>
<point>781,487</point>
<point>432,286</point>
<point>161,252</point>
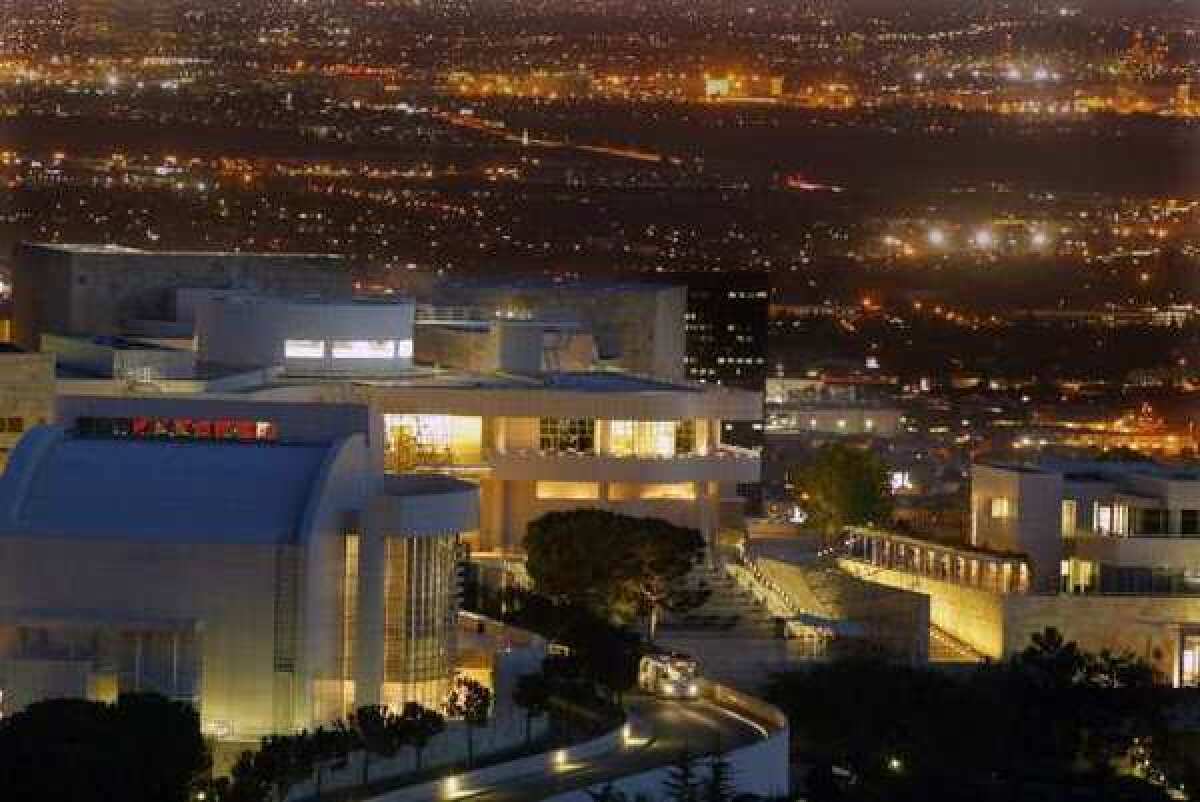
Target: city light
<point>984,238</point>
<point>937,237</point>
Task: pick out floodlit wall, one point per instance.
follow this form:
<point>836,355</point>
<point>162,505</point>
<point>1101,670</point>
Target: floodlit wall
<point>306,338</point>
<point>972,615</point>
<point>999,626</point>
<point>224,593</point>
<point>1020,511</point>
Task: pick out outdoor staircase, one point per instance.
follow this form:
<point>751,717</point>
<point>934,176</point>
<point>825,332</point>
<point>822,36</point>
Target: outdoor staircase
<point>732,635</point>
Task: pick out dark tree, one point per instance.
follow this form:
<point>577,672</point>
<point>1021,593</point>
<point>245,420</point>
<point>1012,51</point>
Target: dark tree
<point>144,748</point>
<point>617,565</point>
<point>420,725</point>
<point>471,702</point>
<point>532,694</point>
<point>377,734</point>
<point>843,486</point>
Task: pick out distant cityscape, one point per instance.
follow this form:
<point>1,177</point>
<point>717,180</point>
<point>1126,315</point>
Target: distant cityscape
<point>542,400</point>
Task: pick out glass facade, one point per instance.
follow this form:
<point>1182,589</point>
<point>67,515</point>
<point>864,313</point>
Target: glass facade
<point>571,435</point>
<point>629,438</point>
<point>421,592</point>
<point>432,440</point>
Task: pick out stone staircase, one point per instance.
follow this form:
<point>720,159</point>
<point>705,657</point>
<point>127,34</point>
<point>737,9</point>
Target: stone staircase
<point>732,635</point>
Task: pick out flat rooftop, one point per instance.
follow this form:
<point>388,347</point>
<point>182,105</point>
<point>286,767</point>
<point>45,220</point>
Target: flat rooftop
<point>586,382</point>
<point>520,284</point>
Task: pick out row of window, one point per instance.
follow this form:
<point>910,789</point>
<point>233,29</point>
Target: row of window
<point>348,349</point>
<point>617,491</point>
<point>625,438</point>
<point>12,425</point>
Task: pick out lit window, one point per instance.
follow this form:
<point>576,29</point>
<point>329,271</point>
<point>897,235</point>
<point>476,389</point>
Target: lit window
<point>364,349</point>
<point>304,349</point>
<point>629,438</point>
<point>404,349</point>
<point>568,491</point>
<point>1000,508</point>
<point>432,440</point>
<point>1069,510</point>
<point>683,491</point>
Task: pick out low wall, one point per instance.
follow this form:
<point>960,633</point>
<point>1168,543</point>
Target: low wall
<point>999,626</point>
<point>760,768</point>
<point>446,748</point>
<point>972,615</point>
<point>543,763</point>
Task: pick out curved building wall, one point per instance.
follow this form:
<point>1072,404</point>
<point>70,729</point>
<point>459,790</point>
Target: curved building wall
<point>421,602</point>
<point>306,338</point>
<point>409,590</point>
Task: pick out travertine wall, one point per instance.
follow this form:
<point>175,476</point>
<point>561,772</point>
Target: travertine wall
<point>972,615</point>
<point>226,591</point>
<point>27,393</point>
<point>1000,625</point>
<point>79,291</point>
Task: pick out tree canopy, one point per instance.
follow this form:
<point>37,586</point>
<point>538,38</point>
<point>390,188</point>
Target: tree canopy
<point>1049,723</point>
<point>618,565</point>
<point>843,486</point>
<point>143,748</point>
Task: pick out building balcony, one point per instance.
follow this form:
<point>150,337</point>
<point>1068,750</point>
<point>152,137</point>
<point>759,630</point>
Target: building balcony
<point>726,464</point>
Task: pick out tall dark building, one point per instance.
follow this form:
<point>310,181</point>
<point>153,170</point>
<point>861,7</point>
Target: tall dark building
<point>726,324</point>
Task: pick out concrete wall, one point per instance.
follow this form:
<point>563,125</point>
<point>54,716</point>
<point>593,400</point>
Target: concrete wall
<point>226,592</point>
<point>91,290</point>
<point>26,394</point>
<point>503,733</point>
<point>639,327</point>
<point>105,360</point>
<point>1000,625</point>
<point>972,615</point>
<point>251,331</point>
<point>1148,626</point>
<point>1033,524</point>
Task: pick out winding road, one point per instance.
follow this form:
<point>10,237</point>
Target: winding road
<point>662,730</point>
